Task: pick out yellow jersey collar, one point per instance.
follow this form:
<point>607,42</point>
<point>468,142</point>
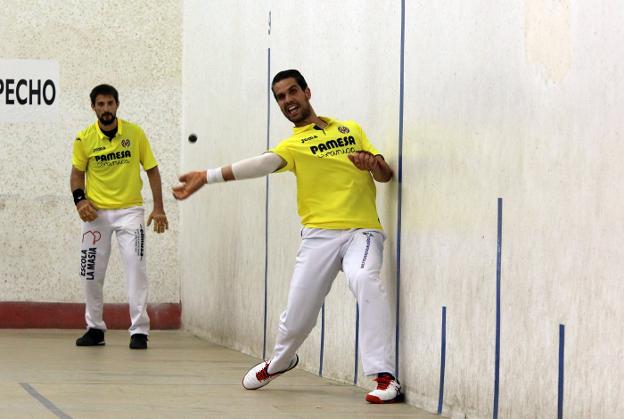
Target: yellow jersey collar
<point>101,134</point>
<point>299,130</point>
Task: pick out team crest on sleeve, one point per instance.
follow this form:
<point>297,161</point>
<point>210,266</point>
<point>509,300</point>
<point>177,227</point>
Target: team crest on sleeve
<point>125,143</point>
<point>343,130</point>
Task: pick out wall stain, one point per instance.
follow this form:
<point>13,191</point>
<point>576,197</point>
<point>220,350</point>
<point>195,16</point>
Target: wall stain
<point>547,37</point>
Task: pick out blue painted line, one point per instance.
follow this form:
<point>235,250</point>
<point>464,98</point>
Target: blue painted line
<point>266,210</point>
<point>400,192</point>
<point>442,361</point>
<point>561,365</point>
<point>357,343</point>
<point>322,340</point>
<point>47,403</point>
<point>499,243</point>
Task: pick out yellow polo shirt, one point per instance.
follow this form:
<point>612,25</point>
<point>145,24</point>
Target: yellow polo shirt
<point>113,166</point>
<point>331,192</point>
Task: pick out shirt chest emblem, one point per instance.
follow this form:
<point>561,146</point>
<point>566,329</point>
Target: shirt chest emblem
<point>343,130</point>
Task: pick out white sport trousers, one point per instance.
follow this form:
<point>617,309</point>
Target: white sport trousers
<point>127,224</point>
<point>322,254</point>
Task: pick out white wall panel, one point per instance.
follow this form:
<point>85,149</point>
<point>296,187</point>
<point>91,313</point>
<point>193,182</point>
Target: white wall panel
<point>517,101</point>
<point>222,251</point>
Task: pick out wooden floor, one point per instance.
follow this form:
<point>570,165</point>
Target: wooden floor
<point>44,375</point>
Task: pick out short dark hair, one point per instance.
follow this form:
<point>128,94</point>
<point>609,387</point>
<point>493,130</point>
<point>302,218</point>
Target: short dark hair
<point>286,74</point>
<point>104,89</point>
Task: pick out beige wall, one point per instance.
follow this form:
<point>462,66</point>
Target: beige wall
<point>137,48</point>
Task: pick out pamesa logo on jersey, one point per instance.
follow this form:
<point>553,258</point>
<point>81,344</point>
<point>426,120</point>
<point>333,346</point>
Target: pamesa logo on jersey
<point>125,143</point>
<point>343,130</point>
<point>115,158</point>
<point>334,147</point>
<point>115,155</point>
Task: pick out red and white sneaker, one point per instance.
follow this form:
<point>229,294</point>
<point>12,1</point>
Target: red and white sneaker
<point>259,375</point>
<point>388,390</point>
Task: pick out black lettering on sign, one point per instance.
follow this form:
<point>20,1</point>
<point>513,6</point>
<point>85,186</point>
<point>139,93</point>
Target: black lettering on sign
<point>27,91</point>
<point>22,100</point>
<point>9,91</point>
<point>35,92</point>
<point>49,92</point>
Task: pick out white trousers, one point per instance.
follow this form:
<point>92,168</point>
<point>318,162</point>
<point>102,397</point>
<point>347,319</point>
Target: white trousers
<point>322,254</point>
<point>127,224</point>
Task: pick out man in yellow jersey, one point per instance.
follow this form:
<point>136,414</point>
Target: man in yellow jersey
<point>111,152</point>
<point>335,166</point>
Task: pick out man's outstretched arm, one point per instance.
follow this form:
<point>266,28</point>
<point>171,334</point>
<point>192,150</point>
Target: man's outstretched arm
<point>253,167</point>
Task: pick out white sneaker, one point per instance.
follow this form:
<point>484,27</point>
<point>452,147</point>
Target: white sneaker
<point>388,391</point>
<point>259,375</point>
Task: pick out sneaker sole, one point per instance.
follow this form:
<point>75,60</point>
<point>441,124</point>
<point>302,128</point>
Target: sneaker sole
<point>273,376</point>
<point>376,400</point>
<point>95,344</point>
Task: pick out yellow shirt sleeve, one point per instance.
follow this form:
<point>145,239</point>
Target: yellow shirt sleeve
<point>146,157</point>
<point>79,158</point>
<point>282,150</point>
<point>366,144</point>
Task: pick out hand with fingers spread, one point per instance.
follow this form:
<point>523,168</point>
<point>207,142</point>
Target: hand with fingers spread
<point>86,210</point>
<point>160,220</point>
<point>189,183</point>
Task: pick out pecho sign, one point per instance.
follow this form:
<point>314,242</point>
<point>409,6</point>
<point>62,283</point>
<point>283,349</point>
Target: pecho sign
<point>29,90</point>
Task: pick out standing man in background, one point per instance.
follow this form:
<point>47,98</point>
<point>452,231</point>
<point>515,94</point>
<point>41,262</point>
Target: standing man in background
<point>335,166</point>
<point>111,152</point>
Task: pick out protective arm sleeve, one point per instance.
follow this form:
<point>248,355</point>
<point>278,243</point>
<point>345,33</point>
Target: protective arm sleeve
<point>257,166</point>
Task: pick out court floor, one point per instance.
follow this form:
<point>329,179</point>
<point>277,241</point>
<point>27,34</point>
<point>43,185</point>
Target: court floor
<point>44,375</point>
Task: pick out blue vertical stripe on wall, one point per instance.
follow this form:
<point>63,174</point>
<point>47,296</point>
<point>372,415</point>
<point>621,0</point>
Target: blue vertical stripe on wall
<point>400,183</point>
<point>357,343</point>
<point>561,365</point>
<point>266,204</point>
<point>499,243</point>
<point>322,340</point>
<point>442,361</point>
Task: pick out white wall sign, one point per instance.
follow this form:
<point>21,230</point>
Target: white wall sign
<point>29,90</point>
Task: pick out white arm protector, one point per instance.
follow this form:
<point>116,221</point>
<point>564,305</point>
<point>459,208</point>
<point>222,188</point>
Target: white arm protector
<point>257,166</point>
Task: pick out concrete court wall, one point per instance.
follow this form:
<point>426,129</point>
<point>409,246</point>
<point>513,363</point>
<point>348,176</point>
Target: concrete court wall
<point>136,48</point>
<point>517,101</point>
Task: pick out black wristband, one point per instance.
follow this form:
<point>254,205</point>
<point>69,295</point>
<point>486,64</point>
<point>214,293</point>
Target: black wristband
<point>79,195</point>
